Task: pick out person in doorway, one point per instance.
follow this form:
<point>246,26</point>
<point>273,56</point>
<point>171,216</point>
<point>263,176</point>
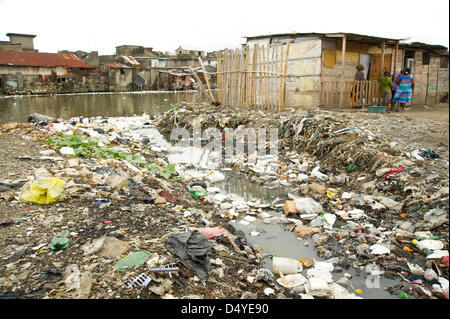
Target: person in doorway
<point>385,84</point>
<point>404,91</point>
<point>359,75</point>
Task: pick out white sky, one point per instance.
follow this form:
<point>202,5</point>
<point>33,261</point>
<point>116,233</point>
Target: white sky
<point>101,25</point>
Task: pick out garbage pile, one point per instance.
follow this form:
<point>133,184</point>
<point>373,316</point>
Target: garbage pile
<point>93,211</point>
<point>106,208</point>
<point>364,199</point>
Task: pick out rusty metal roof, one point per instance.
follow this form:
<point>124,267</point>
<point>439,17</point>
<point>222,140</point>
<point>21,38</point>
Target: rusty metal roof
<point>40,59</point>
<point>116,65</point>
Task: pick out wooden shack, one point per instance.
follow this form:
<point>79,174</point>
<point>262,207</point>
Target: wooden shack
<point>317,70</point>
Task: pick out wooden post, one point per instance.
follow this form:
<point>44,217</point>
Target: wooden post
<point>255,50</point>
<point>383,48</point>
<point>281,78</point>
<point>201,85</point>
<point>285,74</point>
<point>396,58</point>
<point>206,79</point>
<point>219,77</point>
<point>247,76</point>
<point>344,44</point>
<point>266,82</point>
<point>437,83</point>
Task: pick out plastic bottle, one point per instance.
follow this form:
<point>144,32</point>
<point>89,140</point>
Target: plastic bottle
<point>286,265</point>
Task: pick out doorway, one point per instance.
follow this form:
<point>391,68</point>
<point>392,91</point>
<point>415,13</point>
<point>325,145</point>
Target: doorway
<point>375,66</point>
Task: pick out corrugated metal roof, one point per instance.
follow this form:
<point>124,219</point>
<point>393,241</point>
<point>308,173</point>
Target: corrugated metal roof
<point>350,36</point>
<point>42,59</point>
<point>130,60</point>
<point>116,65</point>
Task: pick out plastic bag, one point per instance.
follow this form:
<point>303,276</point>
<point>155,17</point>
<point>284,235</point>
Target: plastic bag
<point>43,191</point>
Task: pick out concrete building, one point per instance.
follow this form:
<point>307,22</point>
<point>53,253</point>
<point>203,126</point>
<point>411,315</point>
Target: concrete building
<point>18,42</point>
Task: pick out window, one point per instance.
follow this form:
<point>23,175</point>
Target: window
<point>425,58</point>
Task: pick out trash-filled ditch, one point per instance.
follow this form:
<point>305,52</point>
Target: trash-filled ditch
<point>109,207</point>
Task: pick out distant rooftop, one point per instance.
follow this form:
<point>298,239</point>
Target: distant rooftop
<point>41,59</point>
<point>21,34</point>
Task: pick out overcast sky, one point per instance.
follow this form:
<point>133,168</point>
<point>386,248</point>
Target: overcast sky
<point>101,25</point>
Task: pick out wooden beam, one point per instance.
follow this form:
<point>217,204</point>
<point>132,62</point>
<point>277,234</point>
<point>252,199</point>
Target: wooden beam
<point>383,49</point>
<point>207,79</point>
<point>285,75</point>
<point>281,79</point>
<point>396,58</point>
<point>201,85</point>
<point>344,44</point>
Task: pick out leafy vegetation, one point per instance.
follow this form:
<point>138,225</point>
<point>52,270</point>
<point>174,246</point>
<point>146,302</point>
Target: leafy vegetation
<point>89,147</point>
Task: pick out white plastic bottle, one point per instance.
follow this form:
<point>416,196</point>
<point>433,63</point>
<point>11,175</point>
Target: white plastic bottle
<point>286,265</point>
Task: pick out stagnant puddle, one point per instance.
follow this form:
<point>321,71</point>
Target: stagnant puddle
<point>272,236</point>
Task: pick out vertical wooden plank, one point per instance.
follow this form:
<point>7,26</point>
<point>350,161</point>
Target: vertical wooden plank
<point>285,75</point>
<point>255,52</point>
<point>242,76</point>
<point>218,77</point>
<point>396,58</point>
<point>266,86</point>
<point>225,78</point>
<point>344,44</point>
<point>206,76</point>
<point>383,48</point>
<point>272,86</point>
<point>437,83</point>
<point>281,78</point>
<point>247,76</point>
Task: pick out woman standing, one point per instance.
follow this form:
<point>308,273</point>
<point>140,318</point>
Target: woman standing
<point>359,76</point>
<point>403,94</point>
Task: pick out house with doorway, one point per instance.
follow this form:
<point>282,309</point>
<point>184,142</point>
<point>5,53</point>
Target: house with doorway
<point>320,67</point>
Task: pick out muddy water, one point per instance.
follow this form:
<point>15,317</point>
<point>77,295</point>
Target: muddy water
<point>65,106</point>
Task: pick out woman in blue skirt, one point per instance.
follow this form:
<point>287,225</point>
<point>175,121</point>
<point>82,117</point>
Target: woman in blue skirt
<point>403,94</point>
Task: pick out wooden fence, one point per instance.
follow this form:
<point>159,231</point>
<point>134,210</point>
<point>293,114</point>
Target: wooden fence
<point>253,77</point>
<point>352,94</point>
